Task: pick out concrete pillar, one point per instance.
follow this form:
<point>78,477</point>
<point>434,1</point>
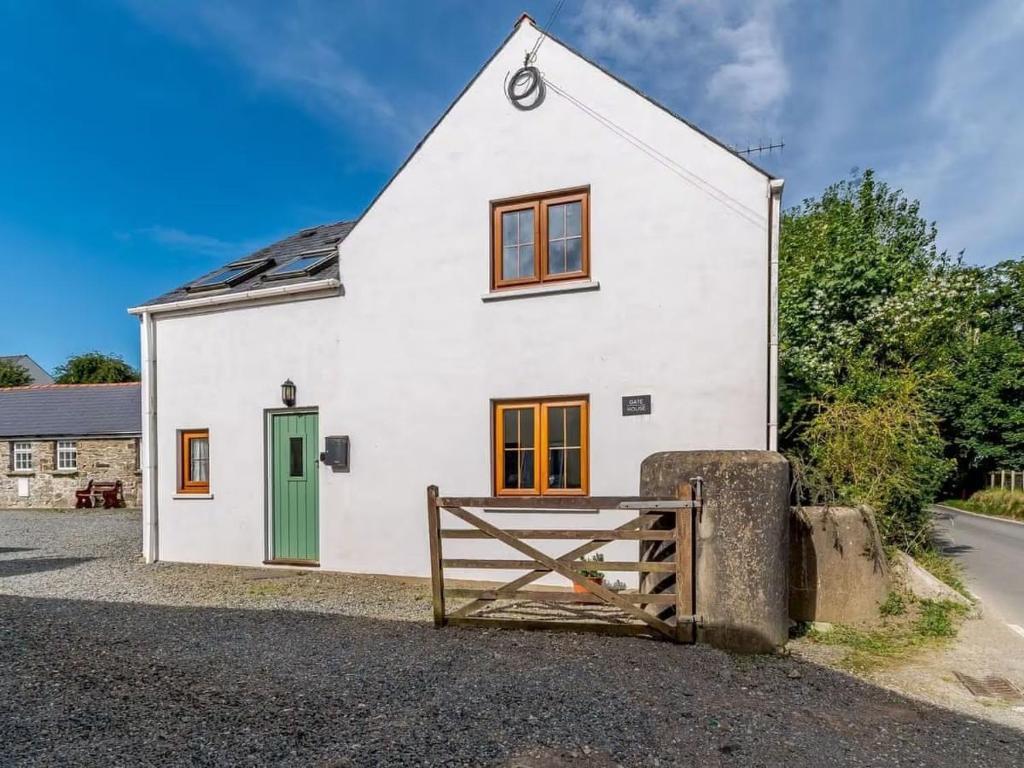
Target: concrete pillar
<point>742,542</point>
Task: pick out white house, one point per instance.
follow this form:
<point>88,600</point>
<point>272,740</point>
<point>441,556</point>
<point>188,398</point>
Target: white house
<point>528,267</point>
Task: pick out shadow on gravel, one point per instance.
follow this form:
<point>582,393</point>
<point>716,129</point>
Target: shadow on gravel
<point>24,565</point>
<point>6,550</point>
<point>83,681</point>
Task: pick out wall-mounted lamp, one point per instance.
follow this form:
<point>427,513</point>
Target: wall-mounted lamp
<point>288,393</point>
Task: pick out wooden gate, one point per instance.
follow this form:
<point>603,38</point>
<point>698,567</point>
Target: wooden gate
<point>663,529</point>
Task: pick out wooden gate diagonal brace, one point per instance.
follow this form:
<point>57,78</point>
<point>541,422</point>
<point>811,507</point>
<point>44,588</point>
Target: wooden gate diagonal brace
<point>560,568</point>
<point>532,576</point>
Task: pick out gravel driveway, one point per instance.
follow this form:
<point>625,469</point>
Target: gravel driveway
<point>105,661</point>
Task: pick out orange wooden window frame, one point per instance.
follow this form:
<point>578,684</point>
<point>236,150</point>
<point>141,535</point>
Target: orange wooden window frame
<point>187,484</point>
<point>540,408</point>
<point>540,205</point>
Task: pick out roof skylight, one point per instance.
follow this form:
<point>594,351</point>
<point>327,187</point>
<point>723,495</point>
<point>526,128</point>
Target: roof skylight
<point>230,275</point>
<point>306,264</point>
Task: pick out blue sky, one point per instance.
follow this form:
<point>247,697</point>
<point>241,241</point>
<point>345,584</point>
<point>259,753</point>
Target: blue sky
<point>143,143</point>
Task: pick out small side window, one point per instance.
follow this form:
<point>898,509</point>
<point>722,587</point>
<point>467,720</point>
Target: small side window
<point>195,461</point>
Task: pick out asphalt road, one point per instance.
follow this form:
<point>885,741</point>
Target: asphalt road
<point>992,553</point>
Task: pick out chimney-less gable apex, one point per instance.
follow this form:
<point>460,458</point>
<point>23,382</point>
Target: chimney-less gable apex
<point>526,18</point>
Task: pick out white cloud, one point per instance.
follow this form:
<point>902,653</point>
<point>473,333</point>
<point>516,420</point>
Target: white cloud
<point>755,80</point>
<point>720,63</point>
<point>295,49</point>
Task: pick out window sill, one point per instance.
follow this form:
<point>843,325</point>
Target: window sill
<point>548,289</point>
<point>21,473</point>
<point>64,472</point>
<point>192,496</point>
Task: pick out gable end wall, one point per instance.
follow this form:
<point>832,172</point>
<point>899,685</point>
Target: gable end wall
<point>408,360</point>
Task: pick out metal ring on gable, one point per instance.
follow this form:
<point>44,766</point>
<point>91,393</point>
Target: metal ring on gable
<point>525,88</point>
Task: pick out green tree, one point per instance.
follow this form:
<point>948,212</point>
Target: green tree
<point>13,374</point>
<point>860,279</point>
<point>94,368</point>
<point>982,401</point>
<point>872,314</point>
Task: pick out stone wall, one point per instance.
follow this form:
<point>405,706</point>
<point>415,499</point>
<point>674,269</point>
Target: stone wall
<point>98,459</point>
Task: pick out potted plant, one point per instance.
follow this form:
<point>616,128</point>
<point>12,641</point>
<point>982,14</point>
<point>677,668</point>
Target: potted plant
<point>593,574</point>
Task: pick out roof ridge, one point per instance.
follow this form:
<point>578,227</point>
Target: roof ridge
<point>68,386</point>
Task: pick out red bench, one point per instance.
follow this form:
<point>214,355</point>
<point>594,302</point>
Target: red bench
<point>109,493</point>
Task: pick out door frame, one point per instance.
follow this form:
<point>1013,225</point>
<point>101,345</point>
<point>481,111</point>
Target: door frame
<point>268,480</point>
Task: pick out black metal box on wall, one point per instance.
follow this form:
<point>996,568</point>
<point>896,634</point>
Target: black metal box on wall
<point>336,453</point>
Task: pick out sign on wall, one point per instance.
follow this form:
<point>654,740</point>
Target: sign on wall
<point>636,405</point>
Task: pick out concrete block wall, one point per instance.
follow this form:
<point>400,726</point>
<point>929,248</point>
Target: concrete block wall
<point>742,542</point>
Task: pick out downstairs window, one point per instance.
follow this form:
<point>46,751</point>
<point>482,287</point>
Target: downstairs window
<point>541,447</point>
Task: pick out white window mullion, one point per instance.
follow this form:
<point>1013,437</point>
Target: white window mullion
<point>22,457</point>
<point>67,455</point>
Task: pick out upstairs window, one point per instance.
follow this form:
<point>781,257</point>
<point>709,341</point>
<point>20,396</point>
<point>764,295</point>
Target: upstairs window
<point>195,461</point>
<point>541,448</point>
<point>540,239</point>
<point>67,455</point>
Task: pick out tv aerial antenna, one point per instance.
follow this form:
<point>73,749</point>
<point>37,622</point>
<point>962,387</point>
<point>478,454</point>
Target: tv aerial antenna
<point>761,148</point>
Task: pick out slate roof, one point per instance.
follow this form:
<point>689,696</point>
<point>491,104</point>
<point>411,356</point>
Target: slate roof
<point>39,376</point>
<point>282,252</point>
<point>71,410</point>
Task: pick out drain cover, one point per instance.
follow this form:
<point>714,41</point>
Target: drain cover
<point>991,687</point>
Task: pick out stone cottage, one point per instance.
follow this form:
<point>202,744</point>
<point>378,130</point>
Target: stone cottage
<point>55,438</point>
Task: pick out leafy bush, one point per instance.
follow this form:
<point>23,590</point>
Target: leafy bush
<point>874,442</point>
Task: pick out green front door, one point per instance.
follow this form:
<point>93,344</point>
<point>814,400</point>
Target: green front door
<point>295,491</point>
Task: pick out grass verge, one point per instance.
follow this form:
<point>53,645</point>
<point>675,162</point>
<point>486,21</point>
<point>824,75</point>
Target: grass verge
<point>907,627</point>
<point>995,502</point>
<point>944,568</point>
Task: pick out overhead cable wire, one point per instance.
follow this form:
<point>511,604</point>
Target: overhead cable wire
<point>532,55</point>
<point>750,214</point>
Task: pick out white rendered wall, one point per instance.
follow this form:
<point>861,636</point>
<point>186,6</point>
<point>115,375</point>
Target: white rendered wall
<point>408,360</point>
